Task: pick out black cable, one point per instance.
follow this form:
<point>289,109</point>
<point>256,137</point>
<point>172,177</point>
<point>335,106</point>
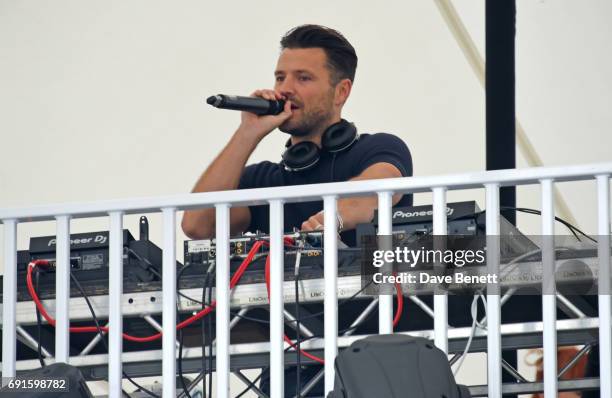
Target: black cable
<point>181,342</point>
<point>314,336</point>
<point>252,383</point>
<point>180,365</point>
<point>150,265</point>
<point>538,212</point>
<point>154,272</point>
<point>95,319</point>
<point>573,229</point>
<point>204,371</point>
<point>102,335</point>
<point>183,295</point>
<point>203,302</point>
<point>264,321</point>
<point>313,315</point>
<point>570,226</point>
<point>207,368</point>
<point>38,320</point>
<point>256,257</point>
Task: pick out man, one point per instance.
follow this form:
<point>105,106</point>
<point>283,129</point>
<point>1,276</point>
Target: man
<point>314,74</point>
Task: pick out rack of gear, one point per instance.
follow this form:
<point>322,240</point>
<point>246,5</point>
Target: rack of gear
<point>522,325</point>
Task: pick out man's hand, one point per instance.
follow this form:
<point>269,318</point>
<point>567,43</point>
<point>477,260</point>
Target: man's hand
<point>257,127</point>
<point>354,211</point>
<point>314,223</point>
<point>225,171</point>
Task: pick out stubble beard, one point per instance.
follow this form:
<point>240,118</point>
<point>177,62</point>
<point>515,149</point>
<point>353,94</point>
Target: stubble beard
<point>311,121</point>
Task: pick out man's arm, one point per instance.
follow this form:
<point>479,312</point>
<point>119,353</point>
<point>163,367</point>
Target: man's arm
<point>224,172</point>
<point>358,210</point>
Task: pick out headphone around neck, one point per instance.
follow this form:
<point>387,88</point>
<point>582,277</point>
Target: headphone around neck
<point>304,155</point>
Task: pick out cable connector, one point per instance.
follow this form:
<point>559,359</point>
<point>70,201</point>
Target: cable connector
<point>52,263</point>
<point>43,263</point>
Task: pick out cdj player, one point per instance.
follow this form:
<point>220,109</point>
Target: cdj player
<point>89,261</point>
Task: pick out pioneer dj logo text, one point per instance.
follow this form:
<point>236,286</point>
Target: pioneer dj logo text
<point>422,213</point>
<point>100,239</point>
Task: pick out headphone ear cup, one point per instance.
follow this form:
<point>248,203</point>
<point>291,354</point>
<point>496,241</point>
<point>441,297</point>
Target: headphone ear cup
<point>301,156</point>
<point>339,136</point>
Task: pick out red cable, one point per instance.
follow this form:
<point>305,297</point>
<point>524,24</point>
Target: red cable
<point>93,329</point>
<point>400,304</point>
<point>202,313</point>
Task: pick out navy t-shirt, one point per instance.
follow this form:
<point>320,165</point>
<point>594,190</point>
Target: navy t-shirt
<point>366,151</point>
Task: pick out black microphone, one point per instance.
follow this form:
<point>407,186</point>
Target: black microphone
<point>258,106</point>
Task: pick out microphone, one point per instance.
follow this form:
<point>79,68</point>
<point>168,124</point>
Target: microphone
<point>258,106</point>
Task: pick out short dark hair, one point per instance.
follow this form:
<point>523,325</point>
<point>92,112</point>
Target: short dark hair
<point>341,56</point>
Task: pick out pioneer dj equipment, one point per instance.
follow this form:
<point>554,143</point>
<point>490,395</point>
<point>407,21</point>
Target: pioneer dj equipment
<point>199,255</point>
<point>89,261</point>
<point>88,251</point>
<point>463,218</point>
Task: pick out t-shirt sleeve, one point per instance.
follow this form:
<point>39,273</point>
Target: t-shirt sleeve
<point>258,175</point>
<point>387,148</point>
<point>247,179</point>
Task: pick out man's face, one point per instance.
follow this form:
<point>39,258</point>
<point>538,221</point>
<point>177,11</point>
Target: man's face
<point>302,76</point>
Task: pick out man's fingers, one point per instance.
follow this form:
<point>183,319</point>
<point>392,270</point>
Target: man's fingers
<point>287,109</point>
<point>312,224</point>
<point>267,94</point>
<point>285,114</point>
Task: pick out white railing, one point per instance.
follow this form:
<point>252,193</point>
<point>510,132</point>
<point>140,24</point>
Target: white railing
<point>276,197</point>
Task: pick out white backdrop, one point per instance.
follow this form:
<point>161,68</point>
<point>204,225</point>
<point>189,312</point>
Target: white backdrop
<point>105,99</point>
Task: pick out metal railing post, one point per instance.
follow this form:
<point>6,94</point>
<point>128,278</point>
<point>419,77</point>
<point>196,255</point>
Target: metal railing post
<point>277,274</point>
<point>9,300</point>
<point>494,359</point>
<point>385,228</point>
<point>62,289</point>
<point>549,299</point>
<point>605,298</point>
<point>115,317</point>
<point>169,303</point>
<point>330,301</point>
<point>222,295</point>
<point>440,298</point>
